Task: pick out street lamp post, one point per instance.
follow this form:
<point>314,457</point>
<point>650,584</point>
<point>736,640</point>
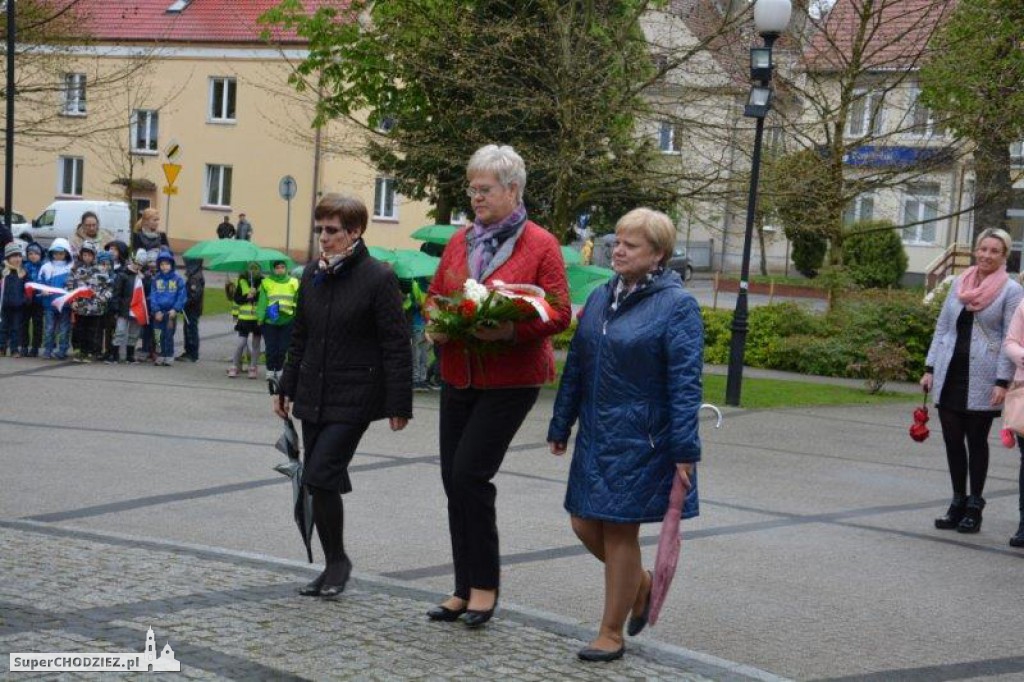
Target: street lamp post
<point>9,132</point>
<point>771,17</point>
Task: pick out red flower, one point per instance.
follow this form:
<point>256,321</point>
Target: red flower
<point>921,415</point>
<point>467,308</point>
<point>919,432</point>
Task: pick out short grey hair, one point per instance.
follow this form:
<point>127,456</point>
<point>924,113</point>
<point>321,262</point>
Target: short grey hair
<point>996,233</point>
<point>503,162</point>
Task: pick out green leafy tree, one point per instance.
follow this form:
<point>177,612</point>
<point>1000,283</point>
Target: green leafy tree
<point>974,75</point>
<point>560,80</point>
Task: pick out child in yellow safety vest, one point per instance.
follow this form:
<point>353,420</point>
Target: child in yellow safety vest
<point>275,311</point>
<point>247,291</point>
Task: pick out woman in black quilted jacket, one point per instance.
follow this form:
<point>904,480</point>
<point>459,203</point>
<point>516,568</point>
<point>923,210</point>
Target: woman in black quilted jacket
<point>349,363</point>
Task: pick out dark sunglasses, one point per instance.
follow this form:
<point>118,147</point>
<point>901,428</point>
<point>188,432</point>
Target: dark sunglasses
<point>329,229</point>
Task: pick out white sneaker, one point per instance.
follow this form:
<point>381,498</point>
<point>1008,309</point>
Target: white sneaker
<point>168,361</point>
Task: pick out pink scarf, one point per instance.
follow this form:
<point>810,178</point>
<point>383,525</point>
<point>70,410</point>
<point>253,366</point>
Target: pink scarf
<point>977,293</point>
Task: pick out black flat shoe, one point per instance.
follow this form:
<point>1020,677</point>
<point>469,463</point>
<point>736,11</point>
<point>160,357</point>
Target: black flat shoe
<point>593,655</point>
<point>313,589</point>
<point>443,613</point>
<point>638,623</point>
<point>474,618</point>
<point>337,585</point>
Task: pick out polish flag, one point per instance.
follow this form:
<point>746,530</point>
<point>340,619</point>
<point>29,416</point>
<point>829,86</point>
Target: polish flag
<point>45,288</point>
<point>139,309</point>
<point>80,292</point>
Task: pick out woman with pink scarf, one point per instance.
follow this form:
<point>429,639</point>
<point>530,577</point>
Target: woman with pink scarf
<point>968,372</point>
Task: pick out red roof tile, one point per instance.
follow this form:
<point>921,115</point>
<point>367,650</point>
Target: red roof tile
<point>896,34</point>
<point>201,21</point>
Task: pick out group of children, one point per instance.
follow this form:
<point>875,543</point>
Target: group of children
<point>113,300</point>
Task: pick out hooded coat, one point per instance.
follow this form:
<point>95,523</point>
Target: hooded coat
<point>633,380</point>
<point>167,291</point>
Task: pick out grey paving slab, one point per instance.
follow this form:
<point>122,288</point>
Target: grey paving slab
<point>814,557</point>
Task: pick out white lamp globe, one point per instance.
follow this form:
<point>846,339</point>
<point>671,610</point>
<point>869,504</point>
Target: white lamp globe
<point>771,17</point>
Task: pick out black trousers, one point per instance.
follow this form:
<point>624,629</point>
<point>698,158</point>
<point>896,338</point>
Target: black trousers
<point>476,429</point>
<point>966,438</point>
<point>32,327</point>
<point>88,334</point>
<point>276,338</point>
<point>329,449</point>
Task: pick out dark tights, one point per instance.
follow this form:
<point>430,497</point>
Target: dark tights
<point>959,428</point>
<point>329,518</point>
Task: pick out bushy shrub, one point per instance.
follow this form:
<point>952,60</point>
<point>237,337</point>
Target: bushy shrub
<point>825,356</point>
<point>770,324</point>
<point>717,335</point>
<point>874,254</point>
<point>808,251</point>
<point>883,362</point>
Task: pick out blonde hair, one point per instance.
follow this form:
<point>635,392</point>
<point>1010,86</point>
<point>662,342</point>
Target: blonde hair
<point>655,226</point>
<point>996,233</point>
<point>146,214</point>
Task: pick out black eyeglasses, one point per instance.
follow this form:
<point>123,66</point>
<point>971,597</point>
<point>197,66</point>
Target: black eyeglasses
<point>329,229</point>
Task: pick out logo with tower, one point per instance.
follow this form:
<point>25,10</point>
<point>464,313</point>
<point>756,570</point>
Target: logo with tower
<point>165,662</point>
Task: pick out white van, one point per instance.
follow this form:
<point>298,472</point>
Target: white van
<point>61,219</point>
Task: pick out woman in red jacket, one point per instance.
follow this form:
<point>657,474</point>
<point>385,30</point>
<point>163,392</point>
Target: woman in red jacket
<point>485,397</point>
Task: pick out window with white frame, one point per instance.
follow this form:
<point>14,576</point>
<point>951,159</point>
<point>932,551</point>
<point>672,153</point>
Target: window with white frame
<point>218,185</point>
<point>222,99</point>
<point>861,209</point>
<point>384,199</point>
<point>74,94</point>
<point>668,138</point>
<point>145,130</point>
<point>69,175</point>
<point>923,120</point>
<point>1017,154</point>
<point>966,230</point>
<point>920,209</point>
<point>865,115</point>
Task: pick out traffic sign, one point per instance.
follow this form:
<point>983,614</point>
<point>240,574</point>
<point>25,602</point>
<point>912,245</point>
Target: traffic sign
<point>171,171</point>
<point>287,187</point>
<point>172,151</point>
<point>170,190</point>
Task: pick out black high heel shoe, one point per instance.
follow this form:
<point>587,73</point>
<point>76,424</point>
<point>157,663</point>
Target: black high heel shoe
<point>337,585</point>
<point>445,614</point>
<point>313,589</point>
<point>474,618</point>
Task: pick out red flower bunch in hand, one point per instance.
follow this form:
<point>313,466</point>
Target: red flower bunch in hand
<point>480,306</point>
<point>467,308</point>
<point>919,429</point>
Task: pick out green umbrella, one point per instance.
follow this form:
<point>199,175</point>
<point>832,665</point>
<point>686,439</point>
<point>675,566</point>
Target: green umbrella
<point>407,264</point>
<point>570,255</point>
<point>435,234</point>
<point>218,248</point>
<point>583,279</point>
<point>240,262</point>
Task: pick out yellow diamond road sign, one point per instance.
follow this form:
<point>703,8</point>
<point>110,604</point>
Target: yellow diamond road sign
<point>171,171</point>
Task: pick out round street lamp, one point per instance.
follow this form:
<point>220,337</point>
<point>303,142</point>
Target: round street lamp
<point>771,17</point>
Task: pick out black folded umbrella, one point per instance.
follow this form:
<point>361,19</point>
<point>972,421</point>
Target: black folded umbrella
<point>302,501</point>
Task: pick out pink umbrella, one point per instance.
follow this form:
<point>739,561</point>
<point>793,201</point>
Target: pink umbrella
<point>670,540</point>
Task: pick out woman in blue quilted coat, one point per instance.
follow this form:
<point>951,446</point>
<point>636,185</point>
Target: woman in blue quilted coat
<point>633,380</point>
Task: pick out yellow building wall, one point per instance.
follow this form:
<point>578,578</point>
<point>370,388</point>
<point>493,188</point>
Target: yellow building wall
<point>271,137</point>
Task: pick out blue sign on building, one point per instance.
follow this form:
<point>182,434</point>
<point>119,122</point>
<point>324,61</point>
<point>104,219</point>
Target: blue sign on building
<point>887,157</point>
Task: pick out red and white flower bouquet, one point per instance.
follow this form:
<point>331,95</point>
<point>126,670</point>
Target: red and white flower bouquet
<point>482,306</point>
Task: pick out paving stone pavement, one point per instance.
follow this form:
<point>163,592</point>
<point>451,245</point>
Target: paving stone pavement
<point>68,591</point>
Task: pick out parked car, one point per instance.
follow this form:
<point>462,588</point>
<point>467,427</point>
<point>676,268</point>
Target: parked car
<point>680,262</point>
<point>19,225</point>
<point>61,219</point>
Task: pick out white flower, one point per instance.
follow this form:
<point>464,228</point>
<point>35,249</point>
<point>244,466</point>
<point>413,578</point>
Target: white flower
<point>474,291</point>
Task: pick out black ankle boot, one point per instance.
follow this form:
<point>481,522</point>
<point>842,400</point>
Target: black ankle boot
<point>956,512</point>
<point>1018,539</point>
<point>971,522</point>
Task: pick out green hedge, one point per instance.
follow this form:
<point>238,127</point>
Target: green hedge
<point>790,337</point>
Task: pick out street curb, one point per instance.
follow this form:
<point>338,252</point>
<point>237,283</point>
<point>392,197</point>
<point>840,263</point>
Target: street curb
<point>666,654</point>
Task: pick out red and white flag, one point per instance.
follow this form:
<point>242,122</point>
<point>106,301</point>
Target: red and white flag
<point>139,309</point>
<point>80,292</point>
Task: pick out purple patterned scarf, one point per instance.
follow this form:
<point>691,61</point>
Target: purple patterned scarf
<point>483,241</point>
